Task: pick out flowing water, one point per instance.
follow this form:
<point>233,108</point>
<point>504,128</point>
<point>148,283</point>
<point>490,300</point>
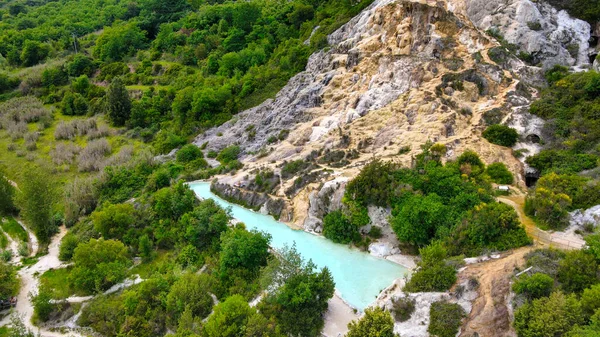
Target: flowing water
<point>359,277</point>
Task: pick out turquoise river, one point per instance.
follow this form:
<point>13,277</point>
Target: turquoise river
<point>359,277</point>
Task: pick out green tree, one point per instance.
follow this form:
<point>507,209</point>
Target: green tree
<point>235,318</point>
<point>417,220</point>
<point>590,300</point>
<point>499,174</point>
<point>7,195</point>
<point>534,286</point>
<point>299,304</point>
<point>145,248</point>
<point>501,135</point>
<point>80,65</point>
<point>118,103</point>
<point>577,271</point>
<point>337,228</point>
<point>98,264</point>
<point>548,316</point>
<point>113,221</point>
<point>36,201</point>
<point>74,104</point>
<point>243,250</point>
<point>189,292</point>
<point>119,41</point>
<point>376,322</point>
<point>33,53</point>
<point>173,202</point>
<point>494,225</point>
<point>42,307</point>
<point>433,273</point>
<point>203,226</point>
<point>9,282</point>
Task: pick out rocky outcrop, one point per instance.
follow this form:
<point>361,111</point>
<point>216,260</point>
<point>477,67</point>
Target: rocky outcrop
<point>548,35</point>
<point>589,216</point>
<point>257,201</point>
<point>322,201</point>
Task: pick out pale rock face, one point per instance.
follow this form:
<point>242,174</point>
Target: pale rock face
<point>588,216</point>
<point>551,36</point>
<point>323,201</point>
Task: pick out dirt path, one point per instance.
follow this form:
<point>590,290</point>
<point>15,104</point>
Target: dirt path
<point>29,284</point>
<point>562,240</point>
<point>491,313</point>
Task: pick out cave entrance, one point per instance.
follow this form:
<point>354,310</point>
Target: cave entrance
<point>533,138</point>
<point>531,178</point>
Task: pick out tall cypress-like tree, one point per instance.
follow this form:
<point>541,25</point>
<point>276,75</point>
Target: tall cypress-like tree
<point>118,103</point>
<point>36,199</point>
<point>7,192</point>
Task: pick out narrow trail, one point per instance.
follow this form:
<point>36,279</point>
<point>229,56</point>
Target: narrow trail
<point>491,313</point>
<point>30,283</point>
<point>560,240</point>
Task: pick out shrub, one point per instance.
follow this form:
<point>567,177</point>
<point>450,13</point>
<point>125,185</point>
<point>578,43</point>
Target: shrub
<point>229,154</point>
<point>403,308</point>
<point>577,271</point>
<point>337,228</point>
<point>376,322</point>
<point>548,316</point>
<point>445,319</point>
<point>501,135</point>
<point>190,291</point>
<point>64,153</point>
<point>10,282</point>
<point>534,286</point>
<point>92,156</point>
<point>188,153</point>
<point>42,307</point>
<point>433,274</point>
<point>64,131</point>
<point>494,116</point>
<point>98,264</point>
<point>67,247</point>
<point>499,173</point>
<point>471,159</point>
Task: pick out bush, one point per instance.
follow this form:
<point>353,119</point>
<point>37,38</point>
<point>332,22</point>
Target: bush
<point>191,292</point>
<point>501,135</point>
<point>67,247</point>
<point>403,308</point>
<point>92,156</point>
<point>10,283</point>
<point>188,153</point>
<point>229,154</point>
<point>42,307</point>
<point>577,271</point>
<point>590,300</point>
<point>376,322</point>
<point>445,319</point>
<point>534,286</point>
<point>433,274</point>
<point>499,174</point>
<point>548,316</point>
<point>98,264</point>
<point>337,228</point>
